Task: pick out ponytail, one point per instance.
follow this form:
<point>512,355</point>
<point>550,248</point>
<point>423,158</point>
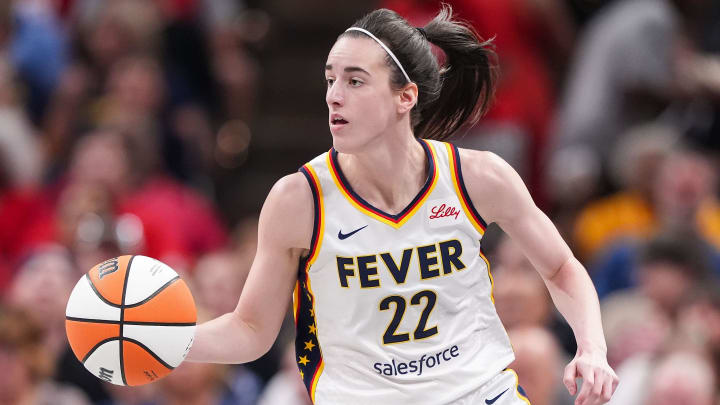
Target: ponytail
<point>468,79</point>
<point>450,97</point>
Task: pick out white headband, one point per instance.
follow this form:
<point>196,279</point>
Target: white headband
<point>397,62</point>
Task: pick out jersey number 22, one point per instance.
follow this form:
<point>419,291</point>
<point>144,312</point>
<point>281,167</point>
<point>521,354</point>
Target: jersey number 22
<point>421,331</point>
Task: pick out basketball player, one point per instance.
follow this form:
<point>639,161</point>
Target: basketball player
<point>393,298</point>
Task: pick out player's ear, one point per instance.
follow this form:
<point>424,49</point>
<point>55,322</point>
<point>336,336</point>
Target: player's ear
<point>408,98</point>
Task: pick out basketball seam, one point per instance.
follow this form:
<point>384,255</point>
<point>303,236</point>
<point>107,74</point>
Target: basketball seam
<point>97,345</point>
<point>152,353</point>
<point>138,323</point>
<point>142,323</point>
<point>122,318</point>
<point>153,295</point>
<point>72,318</point>
<point>87,275</point>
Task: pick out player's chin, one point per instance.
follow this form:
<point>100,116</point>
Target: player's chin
<point>343,142</point>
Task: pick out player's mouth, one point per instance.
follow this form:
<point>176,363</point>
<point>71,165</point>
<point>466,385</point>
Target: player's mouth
<point>337,121</point>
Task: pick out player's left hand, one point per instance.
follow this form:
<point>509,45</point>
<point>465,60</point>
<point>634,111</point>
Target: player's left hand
<point>599,379</point>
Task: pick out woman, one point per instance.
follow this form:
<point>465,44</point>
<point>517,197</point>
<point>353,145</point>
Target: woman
<point>393,299</point>
<point>27,365</point>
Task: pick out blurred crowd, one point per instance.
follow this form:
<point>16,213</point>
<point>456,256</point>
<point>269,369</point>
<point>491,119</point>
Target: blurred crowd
<point>123,124</point>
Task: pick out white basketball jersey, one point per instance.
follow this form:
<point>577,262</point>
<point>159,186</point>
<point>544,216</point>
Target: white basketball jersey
<point>394,309</point>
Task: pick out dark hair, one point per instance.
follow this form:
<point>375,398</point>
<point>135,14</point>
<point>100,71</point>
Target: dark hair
<point>450,97</point>
<point>21,335</point>
<point>680,247</point>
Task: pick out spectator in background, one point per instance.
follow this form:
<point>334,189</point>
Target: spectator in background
<point>27,365</point>
<point>201,384</point>
<point>539,359</point>
<point>39,50</point>
<point>699,322</point>
<point>218,280</point>
<point>684,198</point>
<point>138,395</point>
<point>629,212</point>
<point>624,73</point>
<point>521,299</point>
<point>286,386</point>
<point>245,237</point>
<point>525,308</point>
<point>23,209</point>
<point>22,152</point>
<point>104,34</point>
<point>134,97</point>
<point>177,224</point>
<point>677,376</point>
<point>236,72</point>
<point>41,289</point>
<point>686,194</point>
<point>685,378</point>
<point>640,320</point>
<point>86,223</point>
<point>532,39</point>
<point>110,31</point>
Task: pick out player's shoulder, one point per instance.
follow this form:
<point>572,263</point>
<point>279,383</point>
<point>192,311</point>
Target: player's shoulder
<point>291,191</point>
<point>484,167</point>
<point>496,189</point>
<point>288,212</point>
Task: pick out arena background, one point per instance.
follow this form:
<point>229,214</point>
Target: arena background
<point>157,127</point>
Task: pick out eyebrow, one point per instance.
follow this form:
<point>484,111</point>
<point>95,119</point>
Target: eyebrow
<point>350,69</point>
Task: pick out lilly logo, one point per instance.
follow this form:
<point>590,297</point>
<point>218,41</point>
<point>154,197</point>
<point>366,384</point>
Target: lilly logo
<point>442,210</point>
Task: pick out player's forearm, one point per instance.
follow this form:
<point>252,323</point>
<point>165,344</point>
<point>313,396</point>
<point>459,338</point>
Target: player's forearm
<point>575,297</point>
<point>227,339</point>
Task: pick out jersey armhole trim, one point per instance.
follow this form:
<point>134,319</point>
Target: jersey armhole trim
<point>318,217</point>
<point>459,184</point>
<point>304,299</point>
<point>490,276</point>
<point>317,233</point>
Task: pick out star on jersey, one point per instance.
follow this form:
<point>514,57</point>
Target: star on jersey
<point>307,347</point>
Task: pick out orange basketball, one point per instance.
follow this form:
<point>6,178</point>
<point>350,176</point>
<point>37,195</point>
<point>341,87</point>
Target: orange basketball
<point>130,320</point>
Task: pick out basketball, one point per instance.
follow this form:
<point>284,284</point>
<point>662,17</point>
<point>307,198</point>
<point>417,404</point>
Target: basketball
<point>130,320</point>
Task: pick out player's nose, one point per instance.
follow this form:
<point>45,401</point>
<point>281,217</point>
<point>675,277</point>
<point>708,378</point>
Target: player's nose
<point>335,95</point>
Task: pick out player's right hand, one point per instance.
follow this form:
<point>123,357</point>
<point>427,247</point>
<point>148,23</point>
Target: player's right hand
<point>599,379</point>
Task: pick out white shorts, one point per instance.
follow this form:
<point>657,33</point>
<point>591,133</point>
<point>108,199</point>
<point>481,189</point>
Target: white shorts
<point>503,389</point>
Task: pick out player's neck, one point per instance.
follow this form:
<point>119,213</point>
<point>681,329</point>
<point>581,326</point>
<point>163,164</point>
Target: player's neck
<point>388,173</point>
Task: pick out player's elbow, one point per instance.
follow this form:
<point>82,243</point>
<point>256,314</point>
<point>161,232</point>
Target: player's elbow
<point>260,338</point>
<point>558,275</point>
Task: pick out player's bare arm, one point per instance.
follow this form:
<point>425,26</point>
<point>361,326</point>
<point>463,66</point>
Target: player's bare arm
<point>513,209</point>
<point>284,234</point>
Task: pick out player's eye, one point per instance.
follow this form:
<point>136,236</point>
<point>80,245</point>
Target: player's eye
<point>355,82</point>
<point>329,82</point>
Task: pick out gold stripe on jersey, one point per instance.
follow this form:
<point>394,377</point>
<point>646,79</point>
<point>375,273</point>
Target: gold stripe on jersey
<point>306,326</point>
<point>492,282</point>
<point>395,223</point>
<point>319,371</point>
<point>321,223</point>
<point>461,196</point>
<point>517,388</point>
<point>468,212</point>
